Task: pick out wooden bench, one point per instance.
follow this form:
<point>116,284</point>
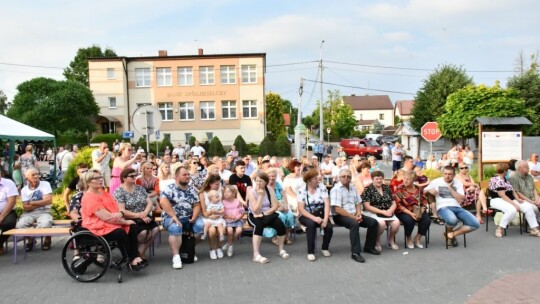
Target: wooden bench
<point>33,232</point>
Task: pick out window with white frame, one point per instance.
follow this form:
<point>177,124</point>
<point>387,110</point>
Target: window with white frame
<point>110,73</point>
<point>142,77</point>
<point>228,109</point>
<point>228,74</point>
<point>185,76</point>
<point>164,77</point>
<point>206,75</point>
<point>207,110</point>
<point>166,110</point>
<point>112,102</point>
<point>249,73</point>
<point>187,112</point>
<point>249,108</point>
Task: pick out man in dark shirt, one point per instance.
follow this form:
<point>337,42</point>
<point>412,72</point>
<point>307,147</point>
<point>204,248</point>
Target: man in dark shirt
<point>240,180</point>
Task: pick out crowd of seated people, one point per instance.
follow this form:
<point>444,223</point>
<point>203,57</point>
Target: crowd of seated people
<point>215,198</point>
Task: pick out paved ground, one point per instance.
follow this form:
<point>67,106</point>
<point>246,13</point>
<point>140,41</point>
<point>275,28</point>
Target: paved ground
<point>487,269</point>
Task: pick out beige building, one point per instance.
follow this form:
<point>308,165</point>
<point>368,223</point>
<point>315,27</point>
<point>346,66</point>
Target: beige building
<point>369,110</point>
<point>197,95</point>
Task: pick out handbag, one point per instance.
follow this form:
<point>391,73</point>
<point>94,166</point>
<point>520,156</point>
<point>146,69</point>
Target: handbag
<point>319,212</point>
<point>187,249</point>
<point>419,210</point>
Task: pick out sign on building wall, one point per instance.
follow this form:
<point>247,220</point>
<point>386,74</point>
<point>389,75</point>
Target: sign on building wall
<point>501,146</point>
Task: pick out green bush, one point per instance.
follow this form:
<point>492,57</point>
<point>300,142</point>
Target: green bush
<point>84,156</point>
<point>192,140</point>
<point>241,146</point>
<point>432,174</point>
<point>216,147</point>
<point>108,138</point>
<point>283,147</point>
<point>161,146</point>
<point>489,172</point>
<point>252,149</point>
<point>267,147</point>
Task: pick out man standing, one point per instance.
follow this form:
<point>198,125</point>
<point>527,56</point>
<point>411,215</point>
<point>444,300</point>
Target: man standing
<point>347,212</point>
<point>63,158</point>
<point>101,158</point>
<point>198,150</point>
<point>449,194</point>
<point>326,169</point>
<point>181,208</point>
<point>318,150</point>
<point>179,151</point>
<point>523,184</point>
<point>8,217</point>
<point>534,166</point>
<point>36,199</point>
<point>397,155</point>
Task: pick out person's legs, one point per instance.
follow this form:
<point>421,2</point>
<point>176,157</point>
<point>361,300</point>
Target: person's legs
<point>258,228</point>
<point>354,231</point>
<point>528,210</point>
<point>311,231</point>
<point>327,237</point>
<point>394,228</point>
<point>423,226</point>
<point>8,223</point>
<point>175,235</point>
<point>281,231</point>
<point>509,211</point>
<point>382,228</point>
<point>408,224</point>
<point>123,240</point>
<point>372,230</point>
<point>470,223</point>
<point>206,229</point>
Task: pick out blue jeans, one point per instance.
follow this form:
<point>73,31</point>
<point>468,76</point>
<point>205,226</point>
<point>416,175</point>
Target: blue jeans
<point>173,229</point>
<point>451,215</point>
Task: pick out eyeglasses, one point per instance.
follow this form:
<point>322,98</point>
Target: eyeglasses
<point>132,175</point>
<point>346,176</point>
<point>463,168</point>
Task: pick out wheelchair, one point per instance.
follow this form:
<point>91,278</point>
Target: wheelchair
<point>87,257</point>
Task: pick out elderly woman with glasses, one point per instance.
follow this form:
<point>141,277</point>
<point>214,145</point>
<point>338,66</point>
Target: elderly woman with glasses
<point>134,202</point>
<point>473,195</point>
<point>102,217</point>
<point>124,160</point>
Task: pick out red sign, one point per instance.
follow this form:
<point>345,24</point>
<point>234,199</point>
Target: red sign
<point>430,131</point>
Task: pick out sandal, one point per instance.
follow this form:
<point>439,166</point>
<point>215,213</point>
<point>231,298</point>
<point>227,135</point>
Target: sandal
<point>46,244</point>
<point>284,254</point>
<point>260,259</point>
<point>499,233</point>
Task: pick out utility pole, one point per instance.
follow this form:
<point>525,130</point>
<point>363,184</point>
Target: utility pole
<point>321,123</point>
<point>297,138</point>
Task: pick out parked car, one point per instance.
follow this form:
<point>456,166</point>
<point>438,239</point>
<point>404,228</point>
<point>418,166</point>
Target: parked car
<point>363,147</point>
<point>387,139</point>
<point>311,143</point>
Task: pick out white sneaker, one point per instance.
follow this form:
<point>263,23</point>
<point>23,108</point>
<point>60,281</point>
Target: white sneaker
<point>176,262</point>
<point>230,251</point>
<point>203,237</point>
<point>225,247</point>
<point>326,253</point>
<point>219,253</point>
<point>213,255</point>
<point>195,258</point>
<point>311,257</point>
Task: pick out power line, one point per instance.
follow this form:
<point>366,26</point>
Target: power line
<point>358,87</point>
<point>411,69</point>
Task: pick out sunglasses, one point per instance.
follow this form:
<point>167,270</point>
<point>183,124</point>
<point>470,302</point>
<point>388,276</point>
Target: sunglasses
<point>463,168</point>
<point>132,175</point>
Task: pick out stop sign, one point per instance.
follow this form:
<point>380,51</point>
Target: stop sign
<point>430,131</point>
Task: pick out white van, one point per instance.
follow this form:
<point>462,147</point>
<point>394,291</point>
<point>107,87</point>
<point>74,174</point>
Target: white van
<point>373,136</point>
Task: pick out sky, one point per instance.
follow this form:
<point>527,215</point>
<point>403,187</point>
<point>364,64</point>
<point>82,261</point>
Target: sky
<point>370,47</point>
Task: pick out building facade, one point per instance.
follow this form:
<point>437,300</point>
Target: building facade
<point>197,95</point>
<point>370,110</point>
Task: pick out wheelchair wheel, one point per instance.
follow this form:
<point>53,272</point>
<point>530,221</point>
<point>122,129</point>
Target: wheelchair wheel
<point>90,259</point>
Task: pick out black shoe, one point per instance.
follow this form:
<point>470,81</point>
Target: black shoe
<point>454,242</point>
<point>357,257</point>
<point>372,251</point>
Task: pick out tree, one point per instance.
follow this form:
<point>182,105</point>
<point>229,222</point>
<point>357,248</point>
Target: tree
<point>283,147</point>
<point>78,67</point>
<point>266,147</point>
<point>527,85</point>
<point>3,103</point>
<point>55,106</point>
<point>293,114</point>
<point>337,115</point>
<point>216,147</point>
<point>275,123</point>
<point>431,98</point>
<point>241,145</point>
<point>466,104</point>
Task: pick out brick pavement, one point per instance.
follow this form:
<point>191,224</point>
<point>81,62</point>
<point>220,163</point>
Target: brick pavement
<point>433,275</point>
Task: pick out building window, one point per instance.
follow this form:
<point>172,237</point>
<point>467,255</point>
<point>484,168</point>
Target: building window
<point>188,136</point>
<point>112,102</point>
<point>185,76</point>
<point>228,109</point>
<point>249,73</point>
<point>210,136</point>
<point>164,77</point>
<point>249,108</point>
<point>142,77</point>
<point>381,116</point>
<point>110,73</point>
<point>186,111</point>
<point>228,74</point>
<point>207,110</point>
<point>166,111</point>
<point>206,75</point>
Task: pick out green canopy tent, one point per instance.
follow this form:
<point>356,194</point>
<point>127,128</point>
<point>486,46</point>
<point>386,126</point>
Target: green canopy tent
<point>12,130</point>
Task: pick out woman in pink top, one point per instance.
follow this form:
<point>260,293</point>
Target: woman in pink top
<point>363,177</point>
<point>121,162</point>
<point>100,215</point>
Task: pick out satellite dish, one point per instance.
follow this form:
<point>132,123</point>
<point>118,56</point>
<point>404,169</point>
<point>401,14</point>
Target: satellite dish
<point>147,120</point>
